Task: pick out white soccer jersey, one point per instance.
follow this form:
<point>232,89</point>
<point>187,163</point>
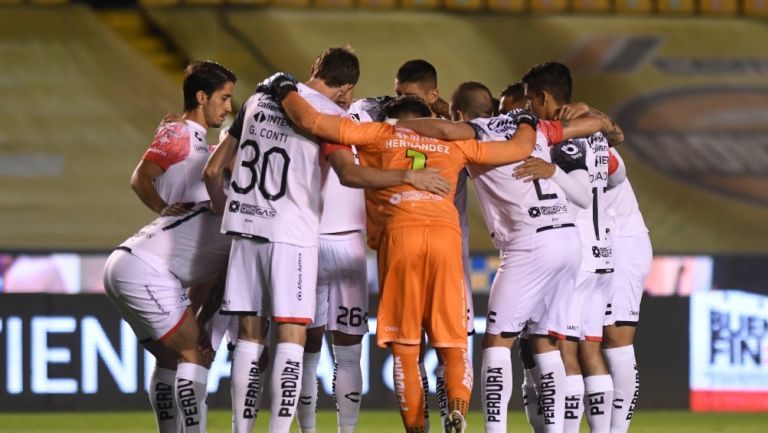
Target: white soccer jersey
<point>188,246</point>
<point>181,150</point>
<point>512,207</point>
<point>590,154</point>
<point>276,190</point>
<point>343,208</point>
<point>623,210</point>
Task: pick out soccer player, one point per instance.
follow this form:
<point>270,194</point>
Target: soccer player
<point>532,226</point>
<point>273,211</point>
<point>547,88</point>
<point>632,257</point>
<point>512,98</point>
<point>146,278</point>
<point>414,233</point>
<point>168,179</point>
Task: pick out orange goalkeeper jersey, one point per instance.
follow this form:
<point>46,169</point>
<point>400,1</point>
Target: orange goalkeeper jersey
<point>386,146</point>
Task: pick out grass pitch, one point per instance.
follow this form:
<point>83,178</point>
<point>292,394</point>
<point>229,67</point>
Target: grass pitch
<point>370,422</point>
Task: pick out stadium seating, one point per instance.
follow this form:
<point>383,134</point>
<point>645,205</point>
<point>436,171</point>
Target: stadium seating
<point>84,108</point>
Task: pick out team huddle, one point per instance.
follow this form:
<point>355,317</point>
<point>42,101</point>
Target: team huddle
<point>267,232</point>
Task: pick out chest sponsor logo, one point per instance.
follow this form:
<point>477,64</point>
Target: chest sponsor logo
<point>271,119</point>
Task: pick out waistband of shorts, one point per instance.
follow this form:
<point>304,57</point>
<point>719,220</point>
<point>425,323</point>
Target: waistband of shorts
<point>524,235</point>
<point>342,237</point>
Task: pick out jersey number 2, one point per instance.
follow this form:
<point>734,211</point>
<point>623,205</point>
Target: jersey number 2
<point>251,166</point>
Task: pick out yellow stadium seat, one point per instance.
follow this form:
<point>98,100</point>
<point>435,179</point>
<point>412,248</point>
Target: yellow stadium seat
<point>377,4</point>
<point>159,2</point>
<point>756,8</point>
<point>506,5</point>
<point>291,3</point>
<point>591,5</point>
<point>334,3</point>
<point>248,2</point>
<point>634,6</point>
<point>465,5</point>
<point>676,7</point>
<point>421,4</point>
<point>719,7</point>
<point>549,5</point>
<point>204,2</point>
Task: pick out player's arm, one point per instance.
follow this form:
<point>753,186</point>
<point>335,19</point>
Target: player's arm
<point>213,174</point>
<point>574,184</point>
<point>356,176</point>
<point>617,171</point>
<point>517,148</point>
<point>142,183</point>
<point>579,110</point>
<point>440,128</point>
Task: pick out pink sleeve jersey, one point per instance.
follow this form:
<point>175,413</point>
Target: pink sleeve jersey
<point>181,150</point>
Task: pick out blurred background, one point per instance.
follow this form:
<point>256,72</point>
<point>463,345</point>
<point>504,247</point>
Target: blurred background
<point>84,84</point>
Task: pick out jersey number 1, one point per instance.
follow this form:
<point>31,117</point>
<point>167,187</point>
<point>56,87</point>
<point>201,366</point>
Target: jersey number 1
<point>419,159</point>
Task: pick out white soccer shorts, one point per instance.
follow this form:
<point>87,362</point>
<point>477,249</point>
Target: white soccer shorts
<point>152,301</point>
<point>271,274</point>
<point>632,258</point>
<point>342,284</point>
<point>589,306</point>
<point>466,262</point>
<point>535,270</point>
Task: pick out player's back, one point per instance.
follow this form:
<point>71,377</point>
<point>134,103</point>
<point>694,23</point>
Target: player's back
<point>404,149</point>
<point>181,150</point>
<point>512,207</point>
<point>189,246</point>
<point>276,184</point>
<point>590,154</point>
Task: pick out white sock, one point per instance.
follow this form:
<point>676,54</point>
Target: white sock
<point>574,403</point>
<point>425,385</point>
<point>347,385</point>
<point>285,386</point>
<point>306,412</point>
<point>496,387</point>
<point>247,385</point>
<point>191,383</point>
<point>626,385</point>
<point>162,396</point>
<point>531,401</point>
<point>550,386</point>
<point>599,390</point>
<point>441,393</point>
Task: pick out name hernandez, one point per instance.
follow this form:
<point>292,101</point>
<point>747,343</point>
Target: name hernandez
<point>413,141</point>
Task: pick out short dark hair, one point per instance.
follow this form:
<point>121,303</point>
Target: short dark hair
<point>205,75</point>
<point>418,71</point>
<point>473,99</point>
<point>516,91</point>
<point>410,104</point>
<point>337,66</point>
<point>553,77</point>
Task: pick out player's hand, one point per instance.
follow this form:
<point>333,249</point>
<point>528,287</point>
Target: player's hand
<point>572,111</point>
<point>278,86</point>
<point>428,179</point>
<point>176,209</point>
<point>524,117</point>
<point>441,108</point>
<point>535,168</point>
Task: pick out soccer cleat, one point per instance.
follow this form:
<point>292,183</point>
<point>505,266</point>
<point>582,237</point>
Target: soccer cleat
<point>455,423</point>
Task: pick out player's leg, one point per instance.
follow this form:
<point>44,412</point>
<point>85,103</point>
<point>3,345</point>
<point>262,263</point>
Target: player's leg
<point>496,380</point>
<point>598,385</point>
<point>347,319</point>
<point>442,399</point>
<point>400,317</point>
<point>307,409</point>
<point>162,388</point>
<point>531,403</point>
<point>633,256</point>
<point>293,283</point>
<point>243,298</point>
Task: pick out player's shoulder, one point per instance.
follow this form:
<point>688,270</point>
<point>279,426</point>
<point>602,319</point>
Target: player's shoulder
<point>319,101</point>
<point>169,132</point>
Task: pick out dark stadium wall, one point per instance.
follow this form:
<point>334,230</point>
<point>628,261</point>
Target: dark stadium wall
<point>71,352</point>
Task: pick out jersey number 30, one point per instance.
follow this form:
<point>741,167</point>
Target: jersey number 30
<point>250,164</point>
